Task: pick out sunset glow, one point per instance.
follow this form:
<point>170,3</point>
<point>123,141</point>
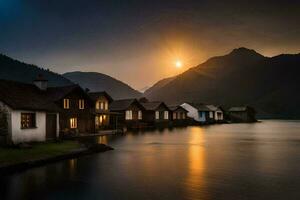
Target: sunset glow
<point>178,64</point>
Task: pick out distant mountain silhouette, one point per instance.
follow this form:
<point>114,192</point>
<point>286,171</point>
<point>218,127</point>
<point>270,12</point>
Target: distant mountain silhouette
<point>158,85</point>
<point>11,69</point>
<point>99,82</point>
<point>242,77</point>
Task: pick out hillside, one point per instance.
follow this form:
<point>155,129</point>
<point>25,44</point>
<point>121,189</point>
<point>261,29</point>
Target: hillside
<point>11,69</point>
<point>242,77</point>
<point>158,85</point>
<point>100,82</point>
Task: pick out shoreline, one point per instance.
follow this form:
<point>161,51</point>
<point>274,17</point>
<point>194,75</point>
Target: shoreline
<point>17,167</point>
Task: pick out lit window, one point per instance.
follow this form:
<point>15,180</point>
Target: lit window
<point>106,105</point>
<point>183,116</point>
<point>66,103</point>
<point>156,114</point>
<point>73,122</point>
<point>101,106</point>
<point>28,120</point>
<point>98,105</point>
<point>128,115</point>
<point>174,115</point>
<point>140,115</point>
<point>211,114</point>
<point>81,104</point>
<point>166,114</point>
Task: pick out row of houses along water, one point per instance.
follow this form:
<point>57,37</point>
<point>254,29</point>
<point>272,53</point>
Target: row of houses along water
<point>36,112</point>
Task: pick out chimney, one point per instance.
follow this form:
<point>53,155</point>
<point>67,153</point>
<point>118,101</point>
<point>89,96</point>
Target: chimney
<point>41,82</point>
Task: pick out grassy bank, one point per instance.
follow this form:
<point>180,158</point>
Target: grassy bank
<point>9,156</point>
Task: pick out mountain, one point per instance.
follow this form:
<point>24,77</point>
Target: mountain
<point>99,82</point>
<point>158,85</point>
<point>11,69</point>
<point>242,77</point>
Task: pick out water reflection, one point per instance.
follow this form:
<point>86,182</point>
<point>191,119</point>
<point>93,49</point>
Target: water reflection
<point>196,164</point>
<point>233,161</point>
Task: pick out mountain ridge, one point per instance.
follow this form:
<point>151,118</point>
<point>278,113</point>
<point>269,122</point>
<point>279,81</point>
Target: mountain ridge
<point>96,82</point>
<point>238,78</point>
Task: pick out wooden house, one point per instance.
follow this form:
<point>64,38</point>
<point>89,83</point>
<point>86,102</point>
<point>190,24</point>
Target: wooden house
<point>156,113</point>
<point>130,113</point>
<point>30,116</point>
<point>242,114</point>
<point>216,113</point>
<point>101,110</point>
<point>178,115</point>
<point>76,115</point>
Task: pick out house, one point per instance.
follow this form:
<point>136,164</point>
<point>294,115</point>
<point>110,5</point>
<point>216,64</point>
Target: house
<point>76,116</point>
<point>242,114</point>
<point>156,113</point>
<point>130,113</point>
<point>198,112</point>
<point>101,110</point>
<point>216,112</point>
<point>30,116</point>
<point>178,115</point>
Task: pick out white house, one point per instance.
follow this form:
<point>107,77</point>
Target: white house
<point>203,113</point>
<point>30,116</point>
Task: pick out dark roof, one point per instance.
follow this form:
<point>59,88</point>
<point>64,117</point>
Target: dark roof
<point>23,96</point>
<point>213,108</point>
<point>57,93</point>
<point>238,109</point>
<point>122,104</point>
<point>95,95</point>
<point>153,105</point>
<point>178,107</point>
<point>200,106</point>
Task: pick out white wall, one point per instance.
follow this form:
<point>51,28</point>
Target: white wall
<point>221,116</point>
<point>192,111</point>
<point>37,134</point>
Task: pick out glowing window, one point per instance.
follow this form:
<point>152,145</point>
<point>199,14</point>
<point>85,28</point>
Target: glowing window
<point>73,122</point>
<point>66,103</point>
<point>81,104</point>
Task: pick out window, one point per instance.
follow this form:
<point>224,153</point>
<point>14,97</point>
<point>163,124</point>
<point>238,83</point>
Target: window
<point>156,114</point>
<point>81,104</point>
<point>140,115</point>
<point>211,114</point>
<point>28,120</point>
<point>106,105</point>
<point>101,106</point>
<point>66,103</point>
<point>174,115</point>
<point>73,122</point>
<point>183,116</point>
<point>98,105</point>
<point>166,114</point>
<point>128,115</point>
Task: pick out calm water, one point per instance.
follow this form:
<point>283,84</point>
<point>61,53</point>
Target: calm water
<point>235,161</point>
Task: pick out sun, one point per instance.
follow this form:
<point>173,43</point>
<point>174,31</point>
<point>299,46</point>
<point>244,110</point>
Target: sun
<point>178,64</point>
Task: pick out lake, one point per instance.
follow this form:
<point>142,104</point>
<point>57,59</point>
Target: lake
<point>230,161</point>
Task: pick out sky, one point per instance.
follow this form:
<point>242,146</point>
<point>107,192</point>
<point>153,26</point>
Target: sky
<point>139,42</point>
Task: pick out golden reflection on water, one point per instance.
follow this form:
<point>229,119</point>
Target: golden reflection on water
<point>72,167</point>
<point>102,140</point>
<point>196,164</point>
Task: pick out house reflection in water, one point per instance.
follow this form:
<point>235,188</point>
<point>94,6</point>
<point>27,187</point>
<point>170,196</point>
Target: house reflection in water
<point>195,182</point>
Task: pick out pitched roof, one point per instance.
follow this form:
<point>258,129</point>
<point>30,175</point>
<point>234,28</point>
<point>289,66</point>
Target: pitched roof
<point>153,105</point>
<point>23,96</point>
<point>122,104</point>
<point>238,109</point>
<point>95,95</point>
<point>213,108</point>
<point>57,93</point>
<point>174,108</point>
<point>200,106</point>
